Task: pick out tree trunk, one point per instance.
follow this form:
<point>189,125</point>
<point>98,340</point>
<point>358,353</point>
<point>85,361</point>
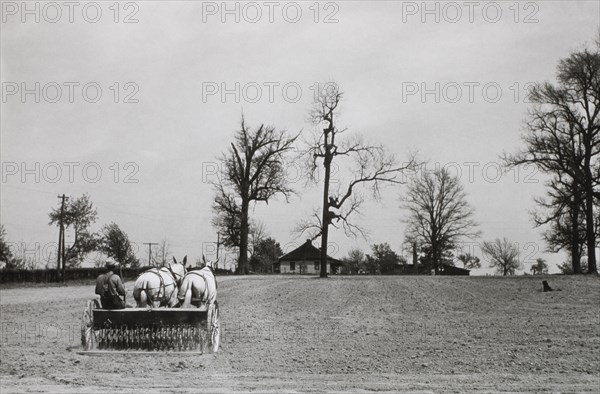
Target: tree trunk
<point>434,254</point>
<point>589,216</point>
<point>244,230</point>
<point>591,236</point>
<point>325,214</point>
<point>575,256</point>
<point>415,258</point>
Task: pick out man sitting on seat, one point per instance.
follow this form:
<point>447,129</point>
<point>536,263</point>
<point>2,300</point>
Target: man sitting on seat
<point>109,287</point>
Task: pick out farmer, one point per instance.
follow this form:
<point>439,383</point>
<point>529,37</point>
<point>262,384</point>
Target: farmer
<point>109,287</point>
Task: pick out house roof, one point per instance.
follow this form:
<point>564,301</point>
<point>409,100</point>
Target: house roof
<point>454,268</point>
<point>306,251</point>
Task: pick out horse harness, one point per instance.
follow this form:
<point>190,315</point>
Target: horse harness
<point>204,297</point>
<point>162,285</point>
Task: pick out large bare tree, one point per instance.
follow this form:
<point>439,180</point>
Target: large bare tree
<point>438,214</point>
<point>370,165</point>
<point>253,171</point>
<point>562,136</point>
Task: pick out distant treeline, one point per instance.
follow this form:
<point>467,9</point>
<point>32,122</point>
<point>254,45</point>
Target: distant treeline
<point>74,274</point>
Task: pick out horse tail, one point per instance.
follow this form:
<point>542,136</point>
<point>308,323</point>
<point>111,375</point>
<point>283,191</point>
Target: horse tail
<point>187,301</point>
<point>141,297</point>
<point>185,294</point>
<point>136,295</point>
<point>144,298</point>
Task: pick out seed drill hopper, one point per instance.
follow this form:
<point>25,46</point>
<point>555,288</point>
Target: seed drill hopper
<point>148,330</point>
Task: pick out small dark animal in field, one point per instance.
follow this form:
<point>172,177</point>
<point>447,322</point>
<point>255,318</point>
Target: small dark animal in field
<point>547,287</point>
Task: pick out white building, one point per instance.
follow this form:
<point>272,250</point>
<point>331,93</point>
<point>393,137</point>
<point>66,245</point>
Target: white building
<point>305,259</point>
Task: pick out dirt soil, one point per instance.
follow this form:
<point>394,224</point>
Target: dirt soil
<point>342,334</point>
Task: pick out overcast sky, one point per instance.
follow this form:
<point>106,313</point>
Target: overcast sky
<point>448,81</point>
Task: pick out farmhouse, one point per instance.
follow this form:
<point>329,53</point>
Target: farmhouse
<point>305,260</point>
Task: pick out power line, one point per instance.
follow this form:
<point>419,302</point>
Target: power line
<point>150,251</point>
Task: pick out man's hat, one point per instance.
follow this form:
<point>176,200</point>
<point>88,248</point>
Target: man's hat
<point>110,264</point>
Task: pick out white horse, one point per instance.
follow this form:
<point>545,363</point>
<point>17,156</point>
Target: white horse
<point>199,290</point>
<point>159,287</point>
<point>199,287</point>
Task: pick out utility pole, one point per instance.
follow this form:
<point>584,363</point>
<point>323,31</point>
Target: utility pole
<point>150,251</point>
<point>218,247</point>
<point>60,255</point>
<point>58,251</point>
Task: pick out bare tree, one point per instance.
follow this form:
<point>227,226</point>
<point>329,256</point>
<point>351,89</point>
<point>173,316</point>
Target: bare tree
<point>503,255</point>
<point>438,214</point>
<point>371,165</point>
<point>257,233</point>
<point>563,132</point>
<point>253,171</point>
<point>161,254</point>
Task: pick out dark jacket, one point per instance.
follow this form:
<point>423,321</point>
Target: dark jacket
<point>110,288</point>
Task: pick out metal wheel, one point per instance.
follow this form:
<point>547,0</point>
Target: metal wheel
<point>214,328</point>
<point>88,337</point>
